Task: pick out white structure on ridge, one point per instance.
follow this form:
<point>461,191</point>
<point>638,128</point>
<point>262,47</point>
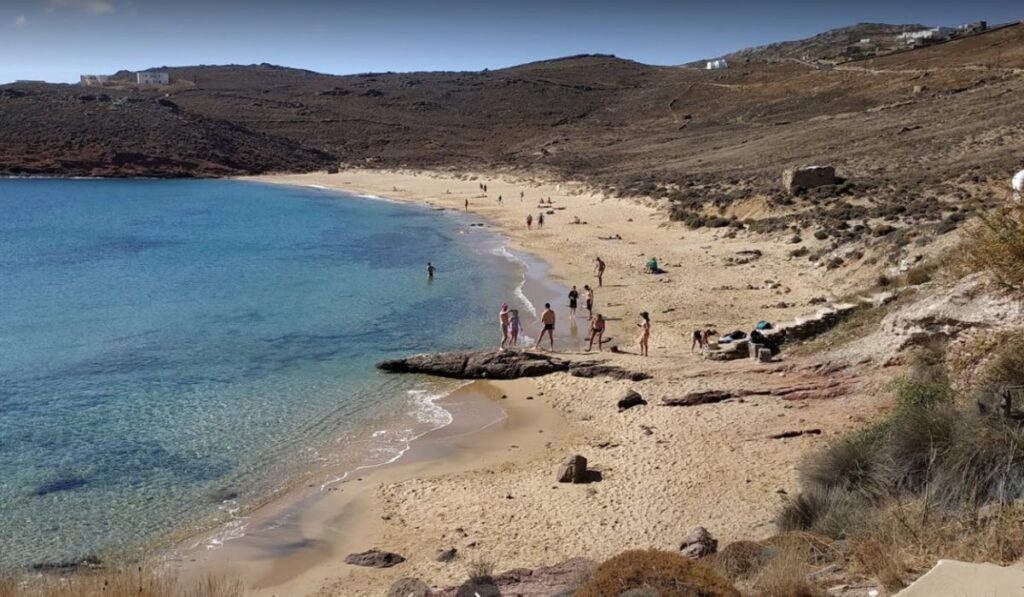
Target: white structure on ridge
<point>717,64</point>
<point>152,78</point>
<point>93,80</point>
<point>935,34</point>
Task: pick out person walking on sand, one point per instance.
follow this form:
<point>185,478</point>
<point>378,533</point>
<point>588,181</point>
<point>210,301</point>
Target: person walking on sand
<point>540,220</point>
<point>529,221</point>
<point>574,295</point>
<point>597,325</point>
<point>588,300</point>
<point>645,332</point>
<point>513,328</point>
<point>547,318</point>
<point>503,324</point>
<point>430,271</point>
<point>599,270</point>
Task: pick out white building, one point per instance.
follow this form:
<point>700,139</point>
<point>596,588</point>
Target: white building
<point>925,35</point>
<point>152,78</point>
<point>93,80</point>
<point>717,64</point>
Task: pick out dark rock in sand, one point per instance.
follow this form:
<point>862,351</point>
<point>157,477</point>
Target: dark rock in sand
<point>409,587</point>
<point>63,484</point>
<point>630,399</point>
<point>447,555</point>
<point>589,370</point>
<point>525,582</point>
<point>701,397</point>
<point>572,470</point>
<point>486,364</point>
<point>374,559</point>
<point>84,563</point>
<point>698,544</point>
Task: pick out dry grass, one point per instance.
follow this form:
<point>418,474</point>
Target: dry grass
<point>663,572</point>
<point>785,575</point>
<point>139,581</point>
<point>996,245</point>
<point>480,571</point>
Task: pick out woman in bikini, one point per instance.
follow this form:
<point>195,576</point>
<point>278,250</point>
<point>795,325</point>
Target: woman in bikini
<point>645,332</point>
<point>513,328</point>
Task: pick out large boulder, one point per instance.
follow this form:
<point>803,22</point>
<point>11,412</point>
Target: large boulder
<point>572,470</point>
<point>630,399</point>
<point>374,558</point>
<point>807,177</point>
<point>484,364</point>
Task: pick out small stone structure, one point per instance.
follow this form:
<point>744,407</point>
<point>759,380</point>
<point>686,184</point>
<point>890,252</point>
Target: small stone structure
<point>152,79</point>
<point>806,177</point>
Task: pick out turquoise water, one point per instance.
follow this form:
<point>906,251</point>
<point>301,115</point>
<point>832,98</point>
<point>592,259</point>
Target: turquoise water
<point>171,351</point>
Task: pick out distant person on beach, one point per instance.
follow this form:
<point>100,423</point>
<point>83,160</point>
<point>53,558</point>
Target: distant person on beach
<point>499,199</point>
<point>540,220</point>
<point>698,340</point>
<point>645,332</point>
<point>529,221</point>
<point>588,298</point>
<point>430,270</point>
<point>599,270</point>
<point>597,325</point>
<point>708,334</point>
<point>574,295</point>
<point>467,204</point>
<point>503,324</point>
<point>521,195</point>
<point>513,328</point>
<point>547,318</point>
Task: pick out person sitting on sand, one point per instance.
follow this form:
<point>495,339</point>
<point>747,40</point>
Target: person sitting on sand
<point>588,298</point>
<point>513,328</point>
<point>430,270</point>
<point>651,267</point>
<point>503,324</point>
<point>574,295</point>
<point>597,325</point>
<point>698,340</point>
<point>547,318</point>
<point>599,270</point>
<point>645,332</point>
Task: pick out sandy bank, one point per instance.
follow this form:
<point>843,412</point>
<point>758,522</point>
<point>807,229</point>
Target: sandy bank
<point>664,470</point>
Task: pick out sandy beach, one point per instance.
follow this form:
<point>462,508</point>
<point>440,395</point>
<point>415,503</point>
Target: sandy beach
<point>664,470</point>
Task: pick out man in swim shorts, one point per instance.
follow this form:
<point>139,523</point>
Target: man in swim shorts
<point>548,319</point>
<point>574,295</point>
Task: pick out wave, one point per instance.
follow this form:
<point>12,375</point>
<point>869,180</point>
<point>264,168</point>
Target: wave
<point>502,251</point>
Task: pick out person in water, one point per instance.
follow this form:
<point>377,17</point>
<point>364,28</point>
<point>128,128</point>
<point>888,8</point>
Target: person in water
<point>597,325</point>
<point>588,298</point>
<point>513,328</point>
<point>547,318</point>
<point>645,332</point>
<point>503,320</point>
<point>574,295</point>
<point>430,270</point>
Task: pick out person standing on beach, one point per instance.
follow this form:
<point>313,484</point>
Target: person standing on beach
<point>597,325</point>
<point>588,297</point>
<point>467,204</point>
<point>574,295</point>
<point>540,220</point>
<point>513,328</point>
<point>529,221</point>
<point>503,324</point>
<point>430,271</point>
<point>645,332</point>
<point>521,195</point>
<point>547,318</point>
<point>599,270</point>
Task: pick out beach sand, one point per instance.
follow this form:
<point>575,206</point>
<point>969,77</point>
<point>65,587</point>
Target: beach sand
<point>664,470</point>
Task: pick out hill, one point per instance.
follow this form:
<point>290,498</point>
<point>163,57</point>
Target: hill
<point>831,45</point>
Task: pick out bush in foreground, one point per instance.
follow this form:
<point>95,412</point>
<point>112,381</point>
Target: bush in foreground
<point>662,572</point>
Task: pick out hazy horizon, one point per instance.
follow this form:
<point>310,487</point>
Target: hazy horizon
<point>57,40</point>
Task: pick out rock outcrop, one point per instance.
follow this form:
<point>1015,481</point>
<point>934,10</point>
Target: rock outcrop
<point>808,177</point>
<point>698,544</point>
<point>525,582</point>
<point>502,364</point>
<point>374,558</point>
<point>630,399</point>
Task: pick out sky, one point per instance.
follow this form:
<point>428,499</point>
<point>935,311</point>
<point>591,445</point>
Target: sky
<point>57,40</point>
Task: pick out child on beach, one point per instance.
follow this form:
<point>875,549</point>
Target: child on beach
<point>645,332</point>
<point>513,328</point>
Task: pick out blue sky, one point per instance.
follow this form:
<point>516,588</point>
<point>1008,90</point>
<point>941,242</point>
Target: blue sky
<point>56,40</point>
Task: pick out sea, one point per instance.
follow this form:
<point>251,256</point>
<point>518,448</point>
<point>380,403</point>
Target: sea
<point>173,353</point>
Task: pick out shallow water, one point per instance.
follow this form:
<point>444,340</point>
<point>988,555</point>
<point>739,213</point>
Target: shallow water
<point>171,351</point>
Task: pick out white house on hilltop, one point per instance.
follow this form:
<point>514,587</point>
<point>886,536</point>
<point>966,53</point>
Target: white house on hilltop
<point>926,35</point>
<point>717,64</point>
<point>146,79</point>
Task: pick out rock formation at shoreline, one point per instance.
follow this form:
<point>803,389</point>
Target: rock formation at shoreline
<point>501,364</point>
